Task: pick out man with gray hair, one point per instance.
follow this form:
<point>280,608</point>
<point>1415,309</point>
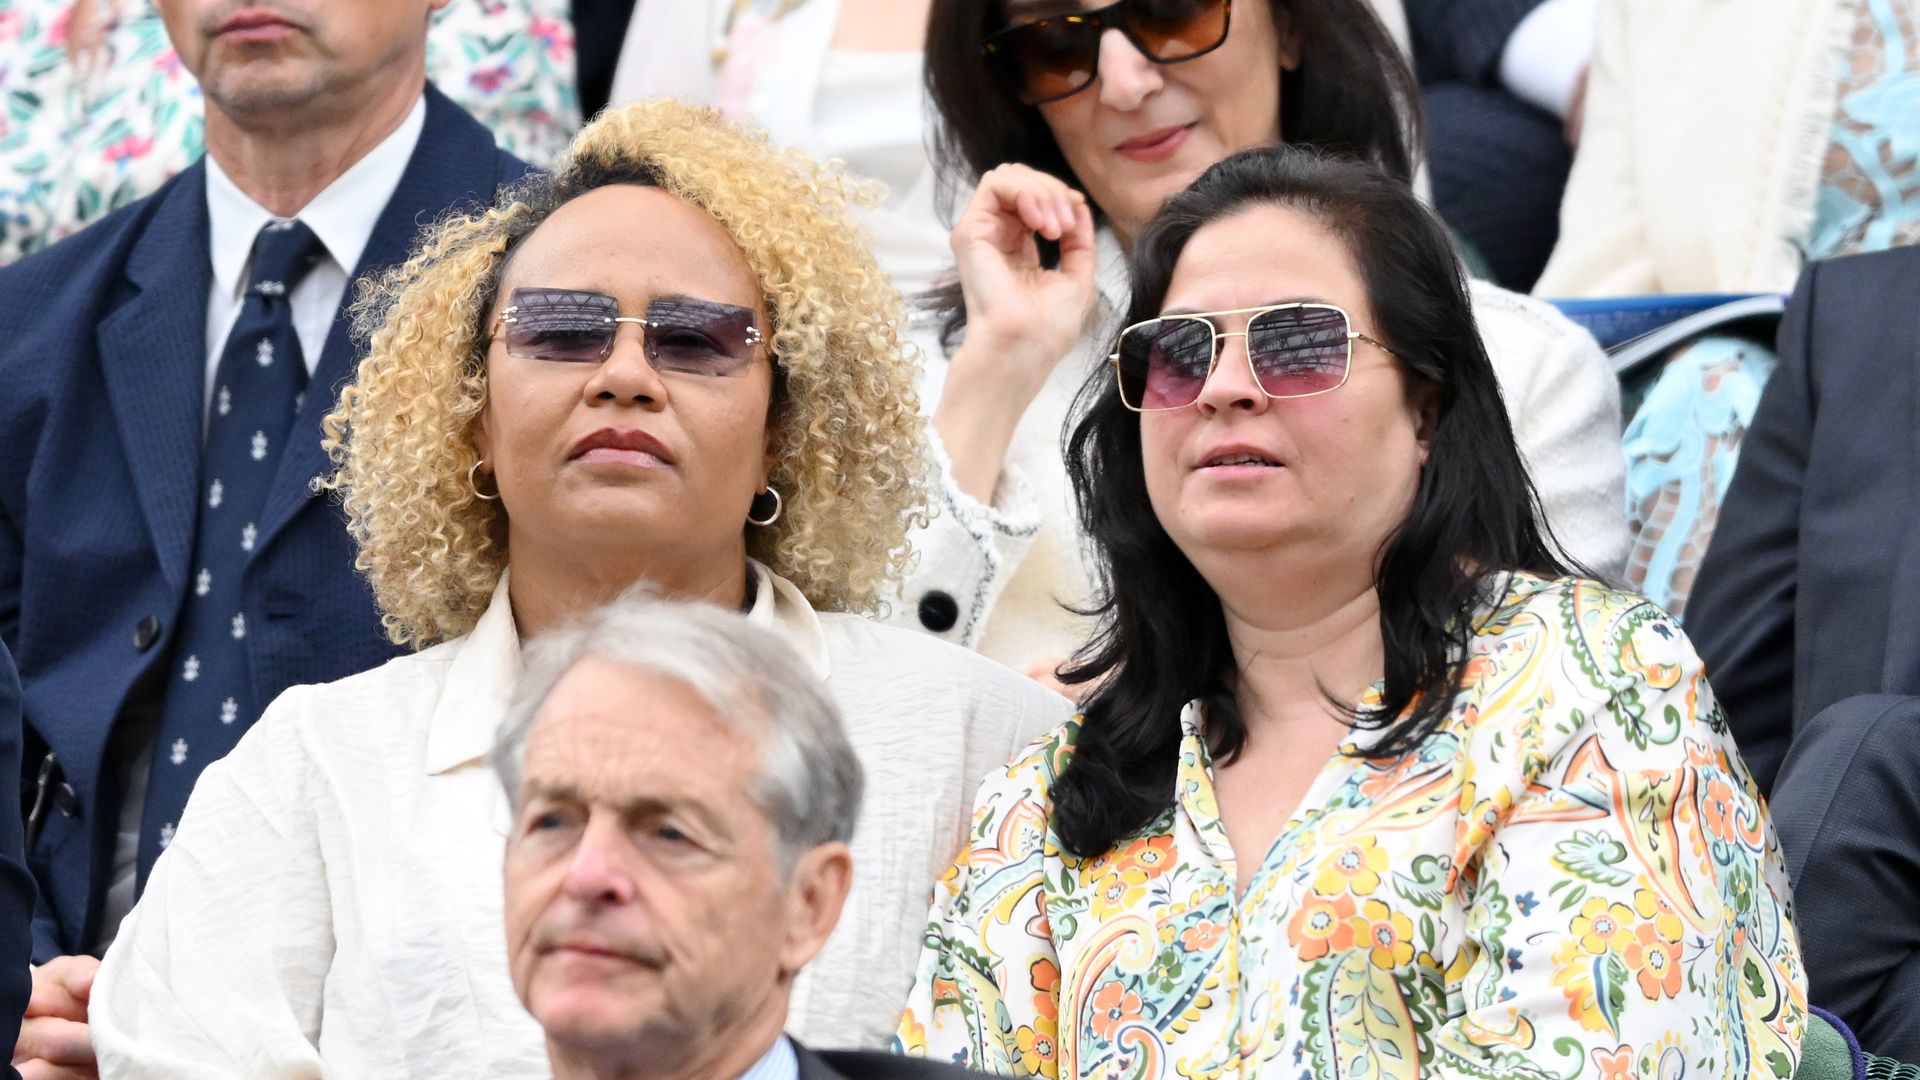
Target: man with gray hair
<point>683,796</point>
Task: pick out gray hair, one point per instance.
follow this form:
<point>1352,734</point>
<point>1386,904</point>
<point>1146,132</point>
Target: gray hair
<point>810,779</point>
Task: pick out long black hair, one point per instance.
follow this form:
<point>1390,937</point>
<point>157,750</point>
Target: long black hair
<point>1162,639</point>
<point>1351,93</point>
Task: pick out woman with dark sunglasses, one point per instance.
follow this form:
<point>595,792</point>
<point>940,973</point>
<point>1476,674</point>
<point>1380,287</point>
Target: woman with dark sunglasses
<point>1077,120</point>
<point>1369,784</point>
<point>670,362</point>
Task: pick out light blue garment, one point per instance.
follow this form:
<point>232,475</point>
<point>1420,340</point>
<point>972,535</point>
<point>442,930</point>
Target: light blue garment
<point>1877,129</point>
<point>778,1063</point>
<point>1680,449</point>
<point>1685,438</point>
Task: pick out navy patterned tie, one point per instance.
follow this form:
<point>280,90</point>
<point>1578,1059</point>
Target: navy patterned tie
<point>256,393</point>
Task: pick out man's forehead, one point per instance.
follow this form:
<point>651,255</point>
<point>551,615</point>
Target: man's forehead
<point>618,730</point>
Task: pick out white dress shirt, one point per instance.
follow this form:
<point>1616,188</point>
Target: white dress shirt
<point>331,904</point>
<point>342,216</point>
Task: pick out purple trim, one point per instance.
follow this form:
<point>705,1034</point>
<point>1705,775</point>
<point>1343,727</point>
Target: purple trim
<point>1853,1044</point>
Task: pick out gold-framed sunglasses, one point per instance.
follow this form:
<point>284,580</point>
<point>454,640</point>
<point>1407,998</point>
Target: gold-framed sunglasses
<point>1293,350</point>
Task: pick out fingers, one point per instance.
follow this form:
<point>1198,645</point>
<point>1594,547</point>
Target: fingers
<point>55,1042</point>
<point>62,986</point>
<point>1040,203</point>
<point>1077,247</point>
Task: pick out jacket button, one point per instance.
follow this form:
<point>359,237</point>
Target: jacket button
<point>145,634</point>
<point>66,800</point>
<point>938,612</point>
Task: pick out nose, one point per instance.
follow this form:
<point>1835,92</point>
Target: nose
<point>626,376</point>
<point>1127,78</point>
<point>1230,385</point>
<point>598,872</point>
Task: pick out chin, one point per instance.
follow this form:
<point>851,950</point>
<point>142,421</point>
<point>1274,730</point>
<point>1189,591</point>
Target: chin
<point>586,1014</point>
<point>1236,531</point>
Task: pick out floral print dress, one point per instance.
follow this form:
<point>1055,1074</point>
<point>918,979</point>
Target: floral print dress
<point>1573,877</point>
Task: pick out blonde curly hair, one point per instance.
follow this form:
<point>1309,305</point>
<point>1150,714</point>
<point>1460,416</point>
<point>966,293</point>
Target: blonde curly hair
<point>845,422</point>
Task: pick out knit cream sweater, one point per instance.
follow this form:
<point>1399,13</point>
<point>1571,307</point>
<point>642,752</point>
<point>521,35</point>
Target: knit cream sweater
<point>1700,158</point>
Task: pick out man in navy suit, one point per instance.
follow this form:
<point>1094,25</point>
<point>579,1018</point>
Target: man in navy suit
<point>166,372</point>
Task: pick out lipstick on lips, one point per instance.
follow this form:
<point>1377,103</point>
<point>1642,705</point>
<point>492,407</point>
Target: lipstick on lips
<point>624,446</point>
<point>1155,145</point>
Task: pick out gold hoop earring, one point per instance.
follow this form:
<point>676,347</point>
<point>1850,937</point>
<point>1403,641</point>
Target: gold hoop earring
<point>770,518</point>
<point>474,486</point>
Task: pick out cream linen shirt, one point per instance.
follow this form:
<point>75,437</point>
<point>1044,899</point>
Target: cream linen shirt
<point>331,905</point>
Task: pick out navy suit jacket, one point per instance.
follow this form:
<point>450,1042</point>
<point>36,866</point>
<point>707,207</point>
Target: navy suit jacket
<point>1461,40</point>
<point>1810,591</point>
<point>16,887</point>
<point>103,347</point>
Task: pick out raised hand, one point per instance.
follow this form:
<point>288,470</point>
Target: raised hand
<point>1022,317</point>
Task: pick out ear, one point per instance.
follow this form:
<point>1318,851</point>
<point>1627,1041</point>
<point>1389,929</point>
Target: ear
<point>1286,36</point>
<point>816,891</point>
<point>1423,398</point>
<point>482,436</point>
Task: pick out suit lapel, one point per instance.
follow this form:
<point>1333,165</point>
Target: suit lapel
<point>454,163</point>
<point>153,352</point>
<point>812,1067</point>
<point>1901,669</point>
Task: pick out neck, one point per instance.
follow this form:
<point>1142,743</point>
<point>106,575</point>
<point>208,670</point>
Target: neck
<point>282,160</point>
<point>724,1058</point>
<point>548,589</point>
<point>1296,648</point>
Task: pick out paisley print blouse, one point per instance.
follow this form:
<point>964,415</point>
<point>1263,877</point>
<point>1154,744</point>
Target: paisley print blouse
<point>1573,877</point>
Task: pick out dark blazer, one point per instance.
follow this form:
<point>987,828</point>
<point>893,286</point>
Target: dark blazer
<point>867,1065</point>
<point>16,886</point>
<point>599,31</point>
<point>1461,40</point>
<point>1810,590</point>
<point>103,349</point>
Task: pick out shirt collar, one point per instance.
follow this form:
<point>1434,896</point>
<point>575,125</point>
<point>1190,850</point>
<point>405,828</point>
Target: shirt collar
<point>481,676</point>
<point>342,215</point>
<point>778,1063</point>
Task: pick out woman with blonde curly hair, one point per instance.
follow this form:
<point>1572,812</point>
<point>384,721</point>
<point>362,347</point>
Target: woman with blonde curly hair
<point>671,363</point>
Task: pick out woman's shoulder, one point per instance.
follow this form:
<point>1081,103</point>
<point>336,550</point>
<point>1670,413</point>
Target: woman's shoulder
<point>1565,654</point>
<point>381,699</point>
<point>914,664</point>
<point>1513,323</point>
<point>1589,614</point>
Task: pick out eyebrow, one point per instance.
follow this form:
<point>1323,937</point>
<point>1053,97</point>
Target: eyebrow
<point>1250,307</point>
<point>567,793</point>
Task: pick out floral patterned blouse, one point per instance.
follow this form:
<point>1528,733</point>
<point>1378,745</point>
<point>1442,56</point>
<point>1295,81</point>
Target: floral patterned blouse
<point>86,131</point>
<point>1573,877</point>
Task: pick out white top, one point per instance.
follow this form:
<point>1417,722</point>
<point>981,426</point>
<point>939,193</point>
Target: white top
<point>332,901</point>
<point>342,216</point>
<point>1007,566</point>
<point>868,110</point>
<point>1701,151</point>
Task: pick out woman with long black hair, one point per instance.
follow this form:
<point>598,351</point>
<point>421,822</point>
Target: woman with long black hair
<point>1072,123</point>
<point>1370,782</point>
